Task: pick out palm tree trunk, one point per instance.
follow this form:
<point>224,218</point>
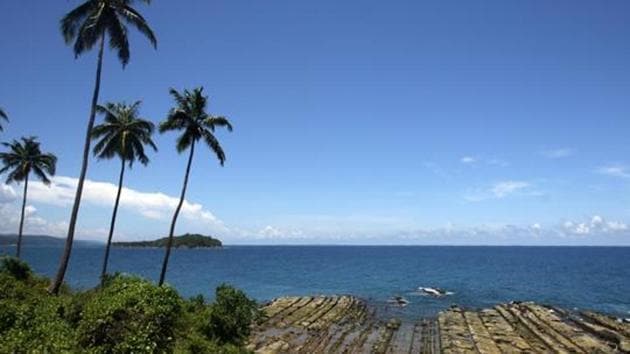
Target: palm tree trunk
<point>19,240</point>
<point>65,257</point>
<point>169,243</point>
<point>111,226</point>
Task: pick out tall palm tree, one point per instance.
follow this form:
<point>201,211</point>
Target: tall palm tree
<point>190,116</point>
<point>122,135</point>
<point>87,25</point>
<point>23,158</point>
<point>4,116</point>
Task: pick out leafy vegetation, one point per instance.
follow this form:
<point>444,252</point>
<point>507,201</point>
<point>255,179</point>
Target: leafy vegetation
<point>126,314</point>
<point>187,240</point>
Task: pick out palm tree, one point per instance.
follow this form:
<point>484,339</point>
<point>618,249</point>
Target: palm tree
<point>190,116</point>
<point>88,25</point>
<point>4,116</point>
<point>123,135</point>
<point>22,159</point>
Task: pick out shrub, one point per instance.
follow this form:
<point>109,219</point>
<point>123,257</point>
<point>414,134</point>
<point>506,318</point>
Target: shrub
<point>30,320</point>
<point>129,315</point>
<point>229,318</point>
<point>15,267</point>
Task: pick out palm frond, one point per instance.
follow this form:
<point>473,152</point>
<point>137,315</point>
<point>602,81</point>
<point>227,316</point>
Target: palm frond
<point>89,32</point>
<point>134,18</point>
<point>213,122</point>
<point>214,145</point>
<point>118,38</point>
<point>70,23</point>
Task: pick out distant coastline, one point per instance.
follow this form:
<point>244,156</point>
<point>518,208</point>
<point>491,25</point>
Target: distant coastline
<point>184,241</point>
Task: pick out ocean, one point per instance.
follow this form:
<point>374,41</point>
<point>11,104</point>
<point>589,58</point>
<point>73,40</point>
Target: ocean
<point>595,278</point>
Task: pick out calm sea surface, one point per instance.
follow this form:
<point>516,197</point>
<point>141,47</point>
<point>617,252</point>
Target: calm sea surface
<point>595,278</point>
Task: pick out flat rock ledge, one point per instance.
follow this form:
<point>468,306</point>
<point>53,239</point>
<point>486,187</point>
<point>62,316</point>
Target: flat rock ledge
<point>344,324</point>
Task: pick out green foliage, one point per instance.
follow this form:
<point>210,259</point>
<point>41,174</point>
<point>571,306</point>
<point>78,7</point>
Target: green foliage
<point>130,315</point>
<point>30,320</point>
<point>127,314</point>
<point>230,316</point>
<point>16,268</point>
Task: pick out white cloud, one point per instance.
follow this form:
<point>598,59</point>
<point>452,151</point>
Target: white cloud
<point>33,223</point>
<point>7,193</point>
<point>596,225</point>
<point>614,171</point>
<point>501,190</point>
<point>558,153</point>
<point>468,160</point>
<point>475,160</point>
<point>152,205</point>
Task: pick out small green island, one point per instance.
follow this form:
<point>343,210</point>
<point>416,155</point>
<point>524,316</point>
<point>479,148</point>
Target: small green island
<point>187,241</point>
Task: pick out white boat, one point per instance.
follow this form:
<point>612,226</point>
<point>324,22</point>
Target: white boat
<point>437,292</point>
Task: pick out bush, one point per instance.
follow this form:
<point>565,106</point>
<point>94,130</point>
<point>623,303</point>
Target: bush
<point>229,318</point>
<point>30,320</point>
<point>130,315</point>
<point>126,315</point>
<point>15,267</point>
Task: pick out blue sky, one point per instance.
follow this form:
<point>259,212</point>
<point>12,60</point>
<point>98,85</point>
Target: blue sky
<point>413,122</point>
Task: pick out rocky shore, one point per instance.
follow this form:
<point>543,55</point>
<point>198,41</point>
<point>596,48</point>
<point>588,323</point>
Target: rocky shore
<point>345,324</point>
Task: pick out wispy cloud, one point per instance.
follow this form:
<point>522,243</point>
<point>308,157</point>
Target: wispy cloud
<point>468,160</point>
<point>476,160</point>
<point>503,189</point>
<point>500,190</point>
<point>619,171</point>
<point>558,153</point>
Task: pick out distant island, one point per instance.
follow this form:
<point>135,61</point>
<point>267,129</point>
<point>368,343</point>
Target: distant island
<point>187,240</point>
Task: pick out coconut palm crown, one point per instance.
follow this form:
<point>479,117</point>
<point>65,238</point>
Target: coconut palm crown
<point>190,116</point>
<point>24,157</point>
<point>91,21</point>
<point>123,134</point>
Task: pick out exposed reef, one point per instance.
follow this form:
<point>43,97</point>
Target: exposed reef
<point>345,324</point>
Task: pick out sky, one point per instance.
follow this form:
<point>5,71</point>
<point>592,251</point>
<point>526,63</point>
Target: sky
<point>355,122</point>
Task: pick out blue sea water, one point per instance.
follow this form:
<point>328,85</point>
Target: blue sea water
<point>596,278</point>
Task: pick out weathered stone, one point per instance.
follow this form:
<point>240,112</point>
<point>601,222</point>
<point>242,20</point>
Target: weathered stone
<point>344,324</point>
